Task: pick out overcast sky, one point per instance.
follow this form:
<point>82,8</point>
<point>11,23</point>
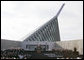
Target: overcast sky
<point>21,18</point>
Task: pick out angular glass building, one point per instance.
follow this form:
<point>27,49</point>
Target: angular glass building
<point>48,32</point>
<point>45,35</point>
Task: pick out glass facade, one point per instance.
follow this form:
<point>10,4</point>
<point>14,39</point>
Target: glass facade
<point>48,32</point>
<point>33,47</point>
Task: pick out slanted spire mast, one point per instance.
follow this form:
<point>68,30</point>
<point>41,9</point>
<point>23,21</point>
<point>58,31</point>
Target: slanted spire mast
<point>59,11</point>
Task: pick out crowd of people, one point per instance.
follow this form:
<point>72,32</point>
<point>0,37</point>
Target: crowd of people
<point>23,54</point>
<point>13,54</point>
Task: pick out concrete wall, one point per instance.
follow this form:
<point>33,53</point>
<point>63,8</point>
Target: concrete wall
<point>5,44</point>
<point>71,44</point>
